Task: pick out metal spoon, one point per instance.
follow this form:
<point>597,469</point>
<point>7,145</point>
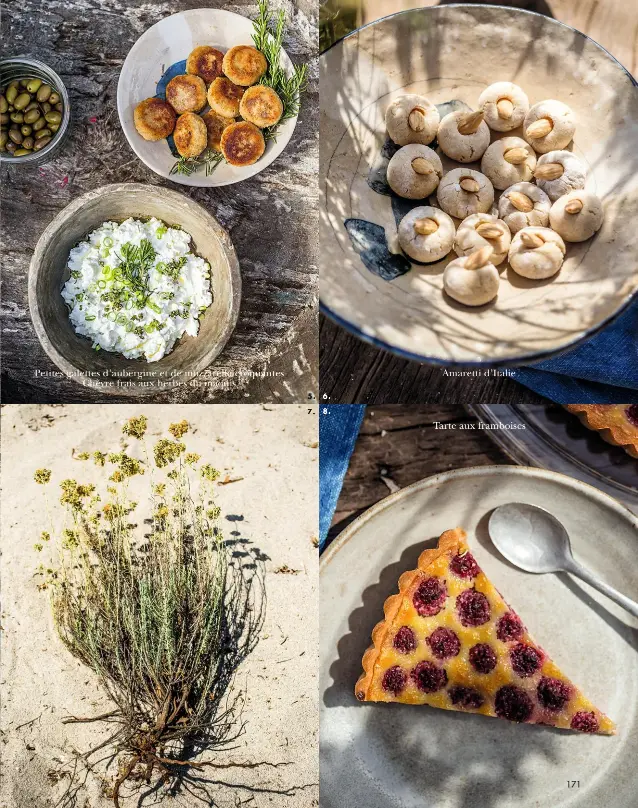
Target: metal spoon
<point>534,540</point>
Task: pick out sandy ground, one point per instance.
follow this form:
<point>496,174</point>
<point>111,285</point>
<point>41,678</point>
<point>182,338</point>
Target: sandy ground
<point>274,450</point>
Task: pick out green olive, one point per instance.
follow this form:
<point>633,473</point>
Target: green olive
<point>4,118</point>
<point>11,94</point>
<point>43,133</point>
<point>32,115</point>
<point>34,85</point>
<point>4,104</point>
<point>41,143</point>
<point>22,100</point>
<point>24,82</point>
<point>28,142</point>
<point>53,117</point>
<point>15,135</point>
<point>32,105</point>
<point>39,124</point>
<point>44,92</point>
<point>21,152</point>
<point>26,130</point>
<point>17,117</point>
<point>3,140</point>
<point>59,107</point>
<point>46,107</point>
<point>54,127</point>
<point>11,147</point>
<point>54,98</point>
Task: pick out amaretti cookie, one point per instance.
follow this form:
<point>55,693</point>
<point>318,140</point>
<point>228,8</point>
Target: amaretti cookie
<point>505,106</point>
<point>549,125</point>
<point>576,216</point>
<point>414,171</point>
<point>463,191</point>
<point>483,230</point>
<point>472,280</point>
<point>536,253</point>
<point>426,234</point>
<point>464,136</point>
<point>412,119</point>
<point>524,205</point>
<point>508,161</point>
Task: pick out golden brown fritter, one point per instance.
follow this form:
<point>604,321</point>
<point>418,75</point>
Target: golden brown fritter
<point>215,124</point>
<point>154,119</point>
<point>261,105</point>
<point>186,94</point>
<point>205,62</point>
<point>224,97</point>
<point>244,65</point>
<point>242,143</point>
<point>190,135</point>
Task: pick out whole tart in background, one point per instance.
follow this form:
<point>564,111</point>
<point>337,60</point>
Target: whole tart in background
<point>616,423</point>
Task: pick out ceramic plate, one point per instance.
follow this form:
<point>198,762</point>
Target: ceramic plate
<point>450,53</point>
<point>549,437</point>
<point>401,756</point>
<point>159,51</point>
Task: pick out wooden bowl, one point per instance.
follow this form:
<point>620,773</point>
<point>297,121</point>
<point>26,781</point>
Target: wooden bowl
<point>112,372</point>
<point>450,53</point>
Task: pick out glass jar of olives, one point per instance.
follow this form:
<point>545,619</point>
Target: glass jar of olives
<point>34,111</point>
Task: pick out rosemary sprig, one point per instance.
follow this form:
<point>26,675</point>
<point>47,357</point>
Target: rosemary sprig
<point>268,39</point>
<point>187,165</point>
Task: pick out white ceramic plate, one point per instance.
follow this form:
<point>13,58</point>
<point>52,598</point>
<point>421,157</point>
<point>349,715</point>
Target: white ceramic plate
<point>166,43</point>
<point>450,53</point>
<point>549,437</point>
<point>401,756</point>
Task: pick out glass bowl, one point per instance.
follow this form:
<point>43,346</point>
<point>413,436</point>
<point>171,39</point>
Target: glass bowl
<point>22,67</point>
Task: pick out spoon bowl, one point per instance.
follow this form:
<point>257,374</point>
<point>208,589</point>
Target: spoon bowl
<point>530,537</point>
<point>535,541</point>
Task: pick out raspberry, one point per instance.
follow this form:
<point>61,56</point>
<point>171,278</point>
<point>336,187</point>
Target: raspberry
<point>465,697</point>
<point>553,694</point>
<point>394,680</point>
<point>405,640</point>
<point>585,722</point>
<point>465,566</point>
<point>526,659</point>
<point>430,596</point>
<point>444,643</point>
<point>473,608</point>
<point>513,703</point>
<point>482,657</point>
<point>428,677</point>
<point>509,627</point>
<point>632,414</point>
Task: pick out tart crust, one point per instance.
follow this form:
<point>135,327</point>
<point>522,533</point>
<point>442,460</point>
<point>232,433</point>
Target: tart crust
<point>611,422</point>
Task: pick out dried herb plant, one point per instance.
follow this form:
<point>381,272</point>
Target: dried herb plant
<point>162,614</point>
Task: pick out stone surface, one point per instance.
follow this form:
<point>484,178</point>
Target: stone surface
<point>271,218</point>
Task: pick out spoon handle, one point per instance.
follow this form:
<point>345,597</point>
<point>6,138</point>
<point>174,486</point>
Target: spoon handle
<point>582,572</point>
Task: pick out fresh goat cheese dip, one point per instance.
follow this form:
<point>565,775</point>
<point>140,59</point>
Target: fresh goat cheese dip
<point>135,288</point>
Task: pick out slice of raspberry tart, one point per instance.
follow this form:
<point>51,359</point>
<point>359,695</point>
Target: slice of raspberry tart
<point>449,640</point>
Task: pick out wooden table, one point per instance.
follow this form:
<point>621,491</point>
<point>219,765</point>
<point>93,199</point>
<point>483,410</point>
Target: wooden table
<point>271,218</point>
<point>351,370</point>
<point>398,446</point>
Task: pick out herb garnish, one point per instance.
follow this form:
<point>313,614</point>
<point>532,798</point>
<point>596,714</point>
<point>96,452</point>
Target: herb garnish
<point>289,89</point>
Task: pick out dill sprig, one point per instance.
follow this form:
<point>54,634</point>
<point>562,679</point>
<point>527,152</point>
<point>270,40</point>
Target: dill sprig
<point>268,38</point>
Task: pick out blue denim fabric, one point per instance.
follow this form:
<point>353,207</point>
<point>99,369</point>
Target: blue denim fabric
<point>604,370</point>
<point>338,429</point>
